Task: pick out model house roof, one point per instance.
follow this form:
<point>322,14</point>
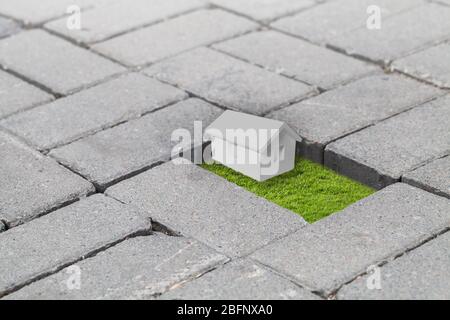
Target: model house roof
<point>232,120</point>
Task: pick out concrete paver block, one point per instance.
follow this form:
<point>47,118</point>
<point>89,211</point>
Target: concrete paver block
<point>296,58</point>
<point>422,274</point>
<point>428,65</point>
<point>196,202</point>
<point>337,113</point>
<point>91,110</point>
<point>399,35</point>
<point>105,22</point>
<point>115,153</point>
<point>239,280</point>
<point>174,36</point>
<point>433,177</point>
<point>17,95</point>
<point>264,10</point>
<point>228,81</point>
<point>139,268</point>
<point>32,184</point>
<point>327,21</point>
<point>381,154</point>
<point>53,62</point>
<point>63,237</point>
<point>329,253</point>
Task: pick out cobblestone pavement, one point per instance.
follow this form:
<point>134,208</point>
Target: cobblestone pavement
<point>91,206</point>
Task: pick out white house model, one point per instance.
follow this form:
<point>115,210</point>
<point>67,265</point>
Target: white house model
<point>254,146</point>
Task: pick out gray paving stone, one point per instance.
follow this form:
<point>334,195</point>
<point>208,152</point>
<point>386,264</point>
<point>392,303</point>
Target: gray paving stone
<point>104,22</point>
<point>434,177</point>
<point>239,280</point>
<point>64,236</point>
<point>139,268</point>
<point>17,95</point>
<point>423,273</point>
<point>32,184</point>
<point>174,36</point>
<point>35,12</point>
<point>296,58</point>
<point>334,114</point>
<point>228,81</point>
<point>117,152</point>
<point>381,154</point>
<point>426,25</point>
<point>327,21</point>
<point>196,202</point>
<point>7,27</point>
<point>100,107</point>
<point>53,62</point>
<point>333,251</point>
<point>428,65</point>
<point>264,10</point>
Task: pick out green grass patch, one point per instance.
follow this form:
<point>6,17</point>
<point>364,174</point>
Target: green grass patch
<point>311,190</point>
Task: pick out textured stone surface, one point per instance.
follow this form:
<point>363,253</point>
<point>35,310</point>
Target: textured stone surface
<point>53,62</point>
<point>239,280</point>
<point>423,273</point>
<point>196,202</point>
<point>296,58</point>
<point>104,22</point>
<point>35,12</point>
<point>32,184</point>
<point>228,81</point>
<point>334,18</point>
<point>380,154</point>
<point>114,153</point>
<point>139,268</point>
<point>264,10</point>
<point>434,177</point>
<point>333,251</point>
<point>428,65</point>
<point>64,236</point>
<point>174,36</point>
<point>7,27</point>
<point>333,114</point>
<point>91,110</point>
<point>17,95</point>
<point>400,34</point>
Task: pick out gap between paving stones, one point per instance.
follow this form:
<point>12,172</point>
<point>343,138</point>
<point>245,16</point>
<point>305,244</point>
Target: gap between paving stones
<point>93,132</point>
<point>423,185</point>
<point>267,22</point>
<point>145,25</point>
<point>212,47</point>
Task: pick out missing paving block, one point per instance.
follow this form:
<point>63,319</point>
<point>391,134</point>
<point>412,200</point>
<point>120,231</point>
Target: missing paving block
<point>310,190</point>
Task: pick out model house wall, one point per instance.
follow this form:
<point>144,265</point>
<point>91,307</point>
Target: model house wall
<point>258,147</point>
